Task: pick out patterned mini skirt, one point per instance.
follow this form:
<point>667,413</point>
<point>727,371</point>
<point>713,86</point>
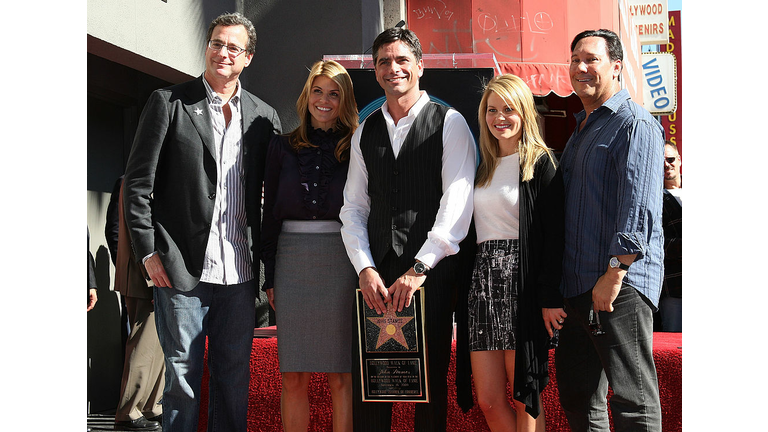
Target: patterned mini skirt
<point>493,296</point>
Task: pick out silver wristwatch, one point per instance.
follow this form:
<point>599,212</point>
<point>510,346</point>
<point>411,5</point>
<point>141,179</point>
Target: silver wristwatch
<point>420,268</point>
<point>615,263</point>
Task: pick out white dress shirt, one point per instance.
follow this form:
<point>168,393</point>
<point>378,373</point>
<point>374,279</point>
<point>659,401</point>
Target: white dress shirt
<point>458,174</point>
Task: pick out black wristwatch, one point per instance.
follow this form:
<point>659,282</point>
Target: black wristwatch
<point>615,263</point>
<point>420,268</point>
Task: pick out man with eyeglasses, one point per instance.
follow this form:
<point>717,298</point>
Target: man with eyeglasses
<point>671,302</point>
<point>192,203</point>
<point>612,263</point>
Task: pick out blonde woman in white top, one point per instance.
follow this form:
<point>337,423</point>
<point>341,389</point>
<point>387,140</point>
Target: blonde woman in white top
<point>514,301</point>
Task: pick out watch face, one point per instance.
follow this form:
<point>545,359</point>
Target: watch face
<point>615,263</point>
<point>419,268</point>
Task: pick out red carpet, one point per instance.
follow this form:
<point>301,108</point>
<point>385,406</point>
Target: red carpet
<point>264,401</point>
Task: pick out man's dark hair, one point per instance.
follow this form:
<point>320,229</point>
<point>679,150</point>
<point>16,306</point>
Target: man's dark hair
<point>395,34</point>
<point>233,19</point>
<point>612,42</point>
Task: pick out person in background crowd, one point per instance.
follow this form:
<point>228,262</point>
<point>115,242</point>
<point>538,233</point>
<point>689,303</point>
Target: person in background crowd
<point>410,158</point>
<point>192,206</point>
<point>111,234</point>
<point>518,215</point>
<point>307,272</point>
<point>112,220</point>
<point>671,302</point>
<point>612,169</point>
<point>92,293</point>
<point>143,379</point>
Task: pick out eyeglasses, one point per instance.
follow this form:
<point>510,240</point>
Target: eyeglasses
<point>670,160</point>
<point>233,50</point>
<point>594,322</point>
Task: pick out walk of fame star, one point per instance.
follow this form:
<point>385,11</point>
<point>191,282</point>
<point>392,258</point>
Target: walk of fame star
<point>391,327</point>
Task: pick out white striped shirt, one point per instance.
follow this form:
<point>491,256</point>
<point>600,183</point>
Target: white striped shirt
<point>227,256</point>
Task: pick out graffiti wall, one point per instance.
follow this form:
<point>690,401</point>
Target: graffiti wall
<point>514,30</point>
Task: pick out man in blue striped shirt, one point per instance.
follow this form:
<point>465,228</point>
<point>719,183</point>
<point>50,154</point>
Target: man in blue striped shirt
<point>612,266</point>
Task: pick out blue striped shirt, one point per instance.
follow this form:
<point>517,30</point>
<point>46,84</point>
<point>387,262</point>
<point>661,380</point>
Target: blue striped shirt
<point>613,170</point>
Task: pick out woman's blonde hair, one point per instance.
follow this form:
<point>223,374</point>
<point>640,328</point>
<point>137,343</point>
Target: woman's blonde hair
<point>517,95</point>
<point>348,117</point>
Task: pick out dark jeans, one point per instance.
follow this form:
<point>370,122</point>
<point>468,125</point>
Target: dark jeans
<point>225,314</point>
<point>622,358</point>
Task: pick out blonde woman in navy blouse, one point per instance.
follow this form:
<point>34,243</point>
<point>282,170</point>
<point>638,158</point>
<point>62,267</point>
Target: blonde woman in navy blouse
<point>309,280</point>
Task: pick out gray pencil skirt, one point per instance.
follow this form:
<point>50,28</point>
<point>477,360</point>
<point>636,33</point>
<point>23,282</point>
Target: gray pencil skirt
<point>314,298</point>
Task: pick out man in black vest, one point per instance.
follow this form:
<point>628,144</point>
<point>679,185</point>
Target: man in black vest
<point>407,205</point>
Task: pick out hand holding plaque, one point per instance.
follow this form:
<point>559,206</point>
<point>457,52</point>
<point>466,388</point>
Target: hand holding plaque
<point>393,353</point>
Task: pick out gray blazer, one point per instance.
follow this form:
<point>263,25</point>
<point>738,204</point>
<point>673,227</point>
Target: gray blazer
<point>170,179</point>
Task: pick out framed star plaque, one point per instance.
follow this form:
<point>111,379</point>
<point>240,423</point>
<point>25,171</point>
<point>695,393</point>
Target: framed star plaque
<point>393,352</point>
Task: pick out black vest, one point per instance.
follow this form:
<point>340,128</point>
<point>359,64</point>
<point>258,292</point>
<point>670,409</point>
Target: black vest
<point>404,192</point>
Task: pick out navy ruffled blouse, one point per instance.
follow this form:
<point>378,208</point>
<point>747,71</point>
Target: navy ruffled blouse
<point>303,185</point>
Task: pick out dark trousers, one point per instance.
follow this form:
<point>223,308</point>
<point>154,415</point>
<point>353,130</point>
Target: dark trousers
<point>622,358</point>
<point>439,297</point>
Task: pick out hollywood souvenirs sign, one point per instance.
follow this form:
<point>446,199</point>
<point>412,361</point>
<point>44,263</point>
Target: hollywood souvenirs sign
<point>650,21</point>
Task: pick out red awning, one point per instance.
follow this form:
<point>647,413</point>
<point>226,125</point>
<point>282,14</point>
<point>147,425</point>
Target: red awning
<point>542,78</point>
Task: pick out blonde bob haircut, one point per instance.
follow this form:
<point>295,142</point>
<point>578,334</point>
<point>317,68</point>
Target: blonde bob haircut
<point>348,117</point>
<point>517,95</point>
